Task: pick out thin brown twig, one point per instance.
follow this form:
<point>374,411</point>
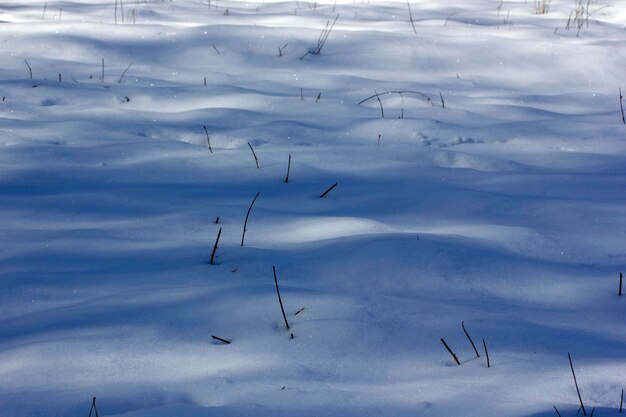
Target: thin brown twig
<point>208,139</point>
<point>576,384</point>
<point>621,105</point>
<point>328,190</point>
<point>280,301</point>
<point>245,223</point>
<point>256,160</point>
<point>450,351</point>
<point>30,70</point>
<point>288,169</point>
<point>124,73</point>
<point>228,342</point>
<point>380,103</point>
<point>219,233</point>
<point>411,17</point>
<point>93,407</point>
<point>395,92</point>
<point>469,337</point>
<point>486,354</point>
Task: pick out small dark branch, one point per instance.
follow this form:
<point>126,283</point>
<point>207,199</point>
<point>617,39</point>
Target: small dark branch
<point>620,285</point>
<point>45,7</point>
<point>208,139</point>
<point>280,50</point>
<point>102,77</point>
<point>319,97</point>
<point>443,103</point>
<point>411,17</point>
<point>582,406</point>
<point>379,139</point>
<point>621,402</point>
<point>468,336</point>
<point>217,50</point>
<point>245,223</point>
<point>321,41</point>
<point>124,73</point>
<point>621,106</point>
<point>451,352</point>
<point>557,410</point>
<point>448,19</point>
<point>225,341</point>
<point>219,233</point>
<point>288,169</point>
<point>30,70</point>
<point>380,103</point>
<point>93,408</point>
<point>299,311</point>
<point>593,410</point>
<point>280,301</point>
<point>324,36</point>
<point>205,81</point>
<point>254,154</point>
<point>327,191</point>
<point>60,78</point>
<point>486,354</point>
<point>226,12</point>
<point>217,220</point>
<point>396,92</point>
<point>115,13</point>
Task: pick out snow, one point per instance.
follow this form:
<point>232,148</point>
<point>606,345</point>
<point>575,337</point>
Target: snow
<point>504,210</point>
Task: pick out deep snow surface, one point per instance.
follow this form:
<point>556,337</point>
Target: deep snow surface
<point>506,209</point>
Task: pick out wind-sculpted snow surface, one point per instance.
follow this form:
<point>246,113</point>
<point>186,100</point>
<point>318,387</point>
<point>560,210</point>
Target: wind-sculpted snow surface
<point>490,193</point>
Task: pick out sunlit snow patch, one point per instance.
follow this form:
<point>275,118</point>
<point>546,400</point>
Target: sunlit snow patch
<point>323,228</point>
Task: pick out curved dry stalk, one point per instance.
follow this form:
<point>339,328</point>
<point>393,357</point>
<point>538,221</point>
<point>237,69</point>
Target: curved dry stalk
<point>321,40</point>
<point>582,406</point>
<point>245,223</point>
<point>468,336</point>
<point>280,300</point>
<point>400,92</point>
<point>256,160</point>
